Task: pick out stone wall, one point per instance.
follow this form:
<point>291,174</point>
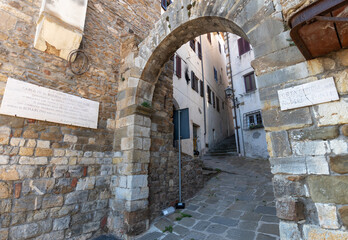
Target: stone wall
<point>163,166</point>
<point>55,179</point>
<point>308,146</point>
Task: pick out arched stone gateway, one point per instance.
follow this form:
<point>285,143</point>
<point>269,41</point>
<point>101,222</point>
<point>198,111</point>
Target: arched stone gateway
<point>308,146</point>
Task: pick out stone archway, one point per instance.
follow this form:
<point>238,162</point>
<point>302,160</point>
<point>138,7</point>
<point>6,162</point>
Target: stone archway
<point>263,26</point>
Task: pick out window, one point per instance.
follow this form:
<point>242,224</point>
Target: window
<point>194,81</point>
<point>220,48</point>
<point>209,37</point>
<point>178,66</point>
<point>223,105</point>
<point>165,4</point>
<point>217,104</point>
<point>243,46</point>
<point>209,94</point>
<point>199,47</point>
<point>215,75</point>
<point>202,88</point>
<point>249,81</point>
<point>253,120</point>
<point>213,97</point>
<point>193,45</point>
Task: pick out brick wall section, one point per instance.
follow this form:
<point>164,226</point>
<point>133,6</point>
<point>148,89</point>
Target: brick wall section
<point>163,167</point>
<point>55,179</point>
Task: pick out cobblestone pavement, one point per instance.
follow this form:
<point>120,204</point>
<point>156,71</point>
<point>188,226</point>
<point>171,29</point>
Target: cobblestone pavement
<point>236,204</point>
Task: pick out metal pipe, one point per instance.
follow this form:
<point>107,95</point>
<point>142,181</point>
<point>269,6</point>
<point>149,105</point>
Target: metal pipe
<point>233,96</point>
<point>179,120</point>
<point>204,107</point>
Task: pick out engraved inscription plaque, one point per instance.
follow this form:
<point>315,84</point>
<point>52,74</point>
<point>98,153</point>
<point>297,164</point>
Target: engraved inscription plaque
<point>27,100</point>
<point>308,94</point>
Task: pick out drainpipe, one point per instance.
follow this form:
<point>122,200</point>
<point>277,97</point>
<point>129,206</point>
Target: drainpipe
<point>233,96</point>
<point>204,108</point>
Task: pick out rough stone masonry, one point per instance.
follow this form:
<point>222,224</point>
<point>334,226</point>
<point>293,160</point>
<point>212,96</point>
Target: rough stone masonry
<point>59,181</point>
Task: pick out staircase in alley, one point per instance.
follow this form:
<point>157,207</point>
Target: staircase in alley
<point>227,146</point>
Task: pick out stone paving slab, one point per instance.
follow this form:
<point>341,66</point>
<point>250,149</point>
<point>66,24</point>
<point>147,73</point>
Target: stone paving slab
<point>237,204</point>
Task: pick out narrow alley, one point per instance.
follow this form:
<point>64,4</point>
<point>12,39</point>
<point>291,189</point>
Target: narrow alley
<point>235,204</point>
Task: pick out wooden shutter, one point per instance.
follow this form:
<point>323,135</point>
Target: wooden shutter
<point>243,46</point>
<point>217,104</point>
<point>178,66</point>
<point>192,80</point>
<point>202,88</point>
<point>209,37</point>
<point>193,45</point>
<point>213,98</point>
<point>199,50</point>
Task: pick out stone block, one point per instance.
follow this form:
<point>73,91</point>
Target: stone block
<point>43,152</point>
<point>289,231</point>
<point>31,143</point>
<point>51,201</point>
<point>25,231</point>
<point>294,72</point>
<point>339,146</point>
<point>286,186</point>
<point>327,214</point>
<point>4,233</point>
<point>76,197</point>
<point>17,142</point>
<point>5,190</point>
<point>33,160</point>
<point>345,130</point>
<point>343,57</point>
<point>276,120</point>
<point>28,203</point>
<point>328,189</point>
<point>280,145</point>
<point>288,165</point>
<point>4,159</point>
<point>290,209</point>
<point>43,144</point>
<point>322,133</point>
<point>137,181</point>
<point>8,21</point>
<point>313,232</point>
<point>30,134</point>
<point>317,165</point>
<point>9,173</point>
<point>332,113</point>
<point>5,206</point>
<point>343,211</point>
<point>310,148</point>
<point>85,183</point>
<point>90,227</point>
<point>70,138</point>
<point>5,133</point>
<point>59,160</point>
<point>339,164</point>
<point>25,151</point>
<point>61,223</point>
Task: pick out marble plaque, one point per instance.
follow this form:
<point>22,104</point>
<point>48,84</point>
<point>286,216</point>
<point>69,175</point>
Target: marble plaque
<point>27,100</point>
<point>308,94</point>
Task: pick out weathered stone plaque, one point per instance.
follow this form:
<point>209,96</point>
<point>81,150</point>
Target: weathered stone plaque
<point>27,100</point>
<point>308,94</point>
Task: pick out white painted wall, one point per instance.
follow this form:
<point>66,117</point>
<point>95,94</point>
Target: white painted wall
<point>186,97</point>
<point>253,142</point>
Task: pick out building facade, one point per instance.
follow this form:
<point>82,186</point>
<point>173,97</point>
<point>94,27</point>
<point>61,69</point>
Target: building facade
<point>251,132</point>
<point>199,84</point>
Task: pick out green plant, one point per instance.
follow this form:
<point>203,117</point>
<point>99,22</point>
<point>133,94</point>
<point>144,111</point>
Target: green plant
<point>168,229</point>
<point>256,126</point>
<point>146,104</point>
<point>218,170</point>
<point>167,18</point>
<point>183,215</point>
